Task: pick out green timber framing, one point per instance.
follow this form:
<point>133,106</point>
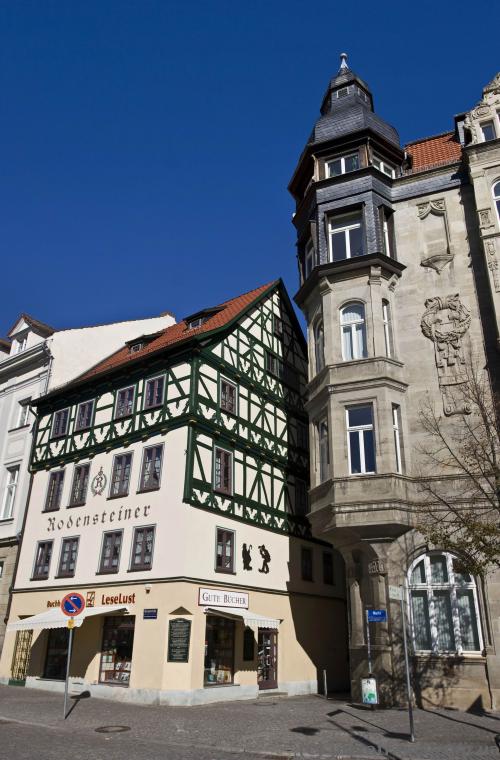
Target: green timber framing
<point>266,441</point>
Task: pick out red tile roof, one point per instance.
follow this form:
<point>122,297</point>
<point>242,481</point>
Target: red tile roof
<point>434,151</point>
<point>178,333</point>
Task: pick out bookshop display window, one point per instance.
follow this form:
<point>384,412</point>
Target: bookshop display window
<point>219,651</point>
<point>57,652</point>
<point>117,644</point>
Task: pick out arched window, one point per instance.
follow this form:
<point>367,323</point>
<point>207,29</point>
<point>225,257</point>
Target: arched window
<point>496,198</point>
<point>387,321</point>
<point>319,345</point>
<point>444,608</point>
<point>352,321</point>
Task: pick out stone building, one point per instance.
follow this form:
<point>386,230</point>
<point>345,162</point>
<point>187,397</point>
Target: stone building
<point>398,254</point>
<point>169,490</point>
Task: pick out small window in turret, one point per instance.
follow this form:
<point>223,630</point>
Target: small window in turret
<point>342,165</point>
<point>343,92</point>
<point>383,166</point>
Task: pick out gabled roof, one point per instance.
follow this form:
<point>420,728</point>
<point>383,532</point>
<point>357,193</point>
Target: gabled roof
<point>179,333</point>
<point>431,152</point>
<point>39,327</point>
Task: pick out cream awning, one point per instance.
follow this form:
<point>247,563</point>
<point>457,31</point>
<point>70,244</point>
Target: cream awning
<point>250,619</point>
<point>54,618</point>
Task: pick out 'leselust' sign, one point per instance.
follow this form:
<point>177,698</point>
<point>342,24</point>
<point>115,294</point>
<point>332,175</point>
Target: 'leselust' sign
<point>214,597</point>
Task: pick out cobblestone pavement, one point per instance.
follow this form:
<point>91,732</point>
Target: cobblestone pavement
<point>31,725</point>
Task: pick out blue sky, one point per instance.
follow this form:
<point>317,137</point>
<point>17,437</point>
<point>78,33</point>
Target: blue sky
<point>146,146</point>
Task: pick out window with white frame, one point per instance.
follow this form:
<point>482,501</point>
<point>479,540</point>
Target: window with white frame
<point>383,165</point>
<point>154,392</point>
<point>323,450</point>
<point>353,328</point>
<point>488,131</point>
<point>496,198</point>
<point>343,165</point>
<point>11,482</point>
<point>360,439</point>
<point>309,258</point>
<point>84,415</point>
<point>396,433</point>
<point>346,237</point>
<point>319,345</point>
<point>387,323</point>
<point>23,413</point>
<point>125,402</point>
<point>444,605</point>
<point>386,229</point>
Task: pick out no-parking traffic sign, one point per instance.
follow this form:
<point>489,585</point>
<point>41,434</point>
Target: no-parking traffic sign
<point>72,605</point>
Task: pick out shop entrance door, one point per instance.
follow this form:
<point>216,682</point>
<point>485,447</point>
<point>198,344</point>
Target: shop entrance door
<point>267,668</point>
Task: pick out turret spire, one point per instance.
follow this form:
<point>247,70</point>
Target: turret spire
<point>343,64</point>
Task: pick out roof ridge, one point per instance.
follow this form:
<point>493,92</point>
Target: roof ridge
<point>431,137</point>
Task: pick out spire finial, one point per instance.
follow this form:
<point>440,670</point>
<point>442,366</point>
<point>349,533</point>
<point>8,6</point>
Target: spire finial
<point>343,61</point>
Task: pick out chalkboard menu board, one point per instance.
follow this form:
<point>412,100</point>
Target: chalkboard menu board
<point>179,632</point>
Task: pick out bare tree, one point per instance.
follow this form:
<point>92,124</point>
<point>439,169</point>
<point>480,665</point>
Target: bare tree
<point>460,479</point>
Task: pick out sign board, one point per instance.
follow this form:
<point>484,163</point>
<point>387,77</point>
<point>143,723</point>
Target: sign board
<point>369,695</point>
<point>179,633</point>
<point>377,616</point>
<point>395,593</point>
<point>214,597</point>
<point>73,604</point>
<point>150,614</point>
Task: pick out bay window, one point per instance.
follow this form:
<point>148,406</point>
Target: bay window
<point>383,166</point>
<point>360,439</point>
<point>346,237</point>
<point>443,605</point>
<point>342,165</point>
<point>353,327</point>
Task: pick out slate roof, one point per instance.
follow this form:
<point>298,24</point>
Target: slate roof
<point>178,333</point>
<point>438,150</point>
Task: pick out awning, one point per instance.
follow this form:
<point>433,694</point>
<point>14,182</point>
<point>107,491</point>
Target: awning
<point>54,618</point>
<point>250,619</point>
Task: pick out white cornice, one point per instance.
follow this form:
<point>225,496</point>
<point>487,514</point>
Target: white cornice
<point>25,358</point>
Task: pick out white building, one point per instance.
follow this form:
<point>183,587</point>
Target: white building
<point>34,359</point>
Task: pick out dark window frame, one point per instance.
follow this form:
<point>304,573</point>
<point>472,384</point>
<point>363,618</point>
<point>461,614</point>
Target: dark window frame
<point>155,379</point>
<point>124,415</point>
<point>301,498</point>
<point>86,425</point>
<point>48,548</point>
<point>67,573</point>
<point>102,570</point>
<point>79,502</point>
<point>142,487</point>
<point>49,496</point>
<point>227,537</point>
<point>121,493</point>
<point>142,567</point>
<point>306,564</point>
<point>224,405</point>
<point>55,417</point>
<point>328,569</point>
<point>221,488</point>
<point>248,645</point>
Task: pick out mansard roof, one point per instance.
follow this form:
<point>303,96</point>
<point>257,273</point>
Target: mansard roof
<point>431,152</point>
<point>177,334</point>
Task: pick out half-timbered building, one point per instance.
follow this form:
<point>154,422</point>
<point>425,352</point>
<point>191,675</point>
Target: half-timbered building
<point>170,490</point>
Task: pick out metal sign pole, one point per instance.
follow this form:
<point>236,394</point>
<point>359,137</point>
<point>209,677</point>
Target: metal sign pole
<point>70,643</point>
<point>368,644</point>
<point>407,667</point>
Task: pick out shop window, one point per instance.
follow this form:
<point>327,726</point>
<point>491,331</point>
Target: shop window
<point>60,423</point>
<point>67,561</point>
<point>142,551</point>
<point>57,653</point>
<point>496,198</point>
<point>306,563</point>
<point>120,478</point>
<point>110,552</point>
<point>151,468</point>
<point>360,439</point>
<point>79,486</point>
<point>154,393</point>
<point>219,651</point>
<point>224,551</point>
<point>228,396</point>
<point>117,646</point>
<point>125,402</point>
<point>346,237</point>
<point>54,491</point>
<point>223,471</point>
<point>43,556</point>
<point>328,578</point>
<point>248,645</point>
<point>444,605</point>
<point>387,323</point>
<point>319,345</point>
<point>84,415</point>
<point>353,326</point>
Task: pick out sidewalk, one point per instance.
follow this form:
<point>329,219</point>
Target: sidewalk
<point>31,725</point>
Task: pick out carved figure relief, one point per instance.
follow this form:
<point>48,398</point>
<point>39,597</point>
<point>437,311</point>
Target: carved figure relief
<point>246,556</point>
<point>436,234</point>
<point>98,483</point>
<point>485,218</point>
<point>445,322</point>
<point>485,109</point>
<point>492,261</point>
<point>266,558</point>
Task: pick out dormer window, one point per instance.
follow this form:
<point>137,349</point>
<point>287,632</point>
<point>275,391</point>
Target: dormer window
<point>196,322</point>
<point>20,344</point>
<point>135,347</point>
<point>383,166</point>
<point>342,165</point>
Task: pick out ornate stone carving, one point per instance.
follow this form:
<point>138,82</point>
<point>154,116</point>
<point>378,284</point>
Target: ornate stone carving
<point>445,322</point>
<point>484,218</point>
<point>485,109</point>
<point>438,251</point>
<point>492,261</point>
<point>98,483</point>
<point>493,86</point>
